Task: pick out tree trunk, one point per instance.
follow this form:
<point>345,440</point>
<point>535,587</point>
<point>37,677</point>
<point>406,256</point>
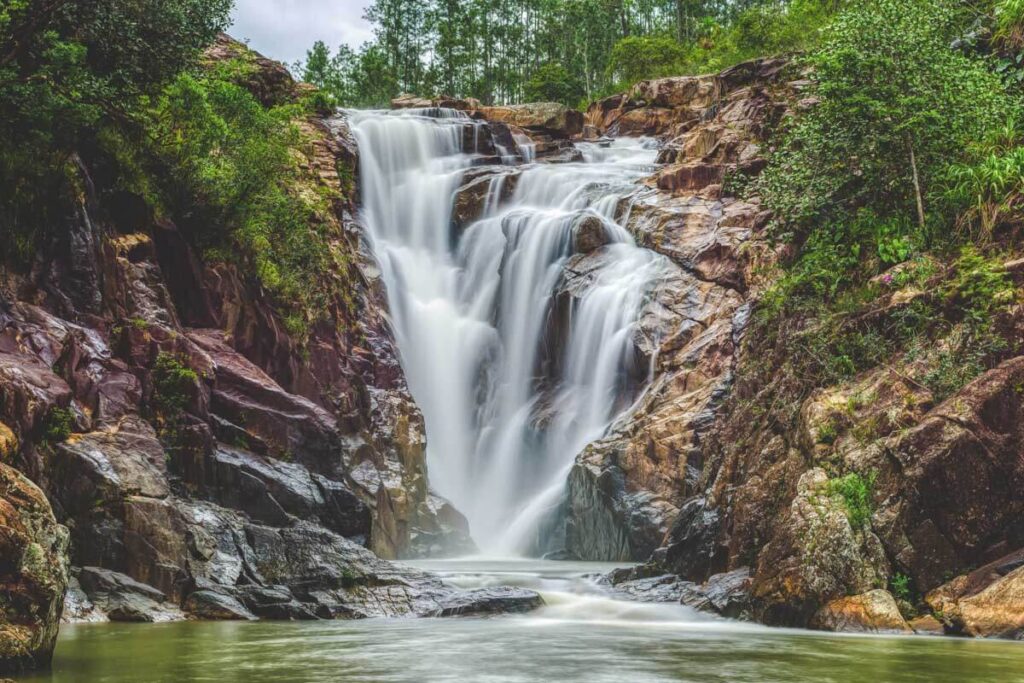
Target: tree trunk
<point>917,183</point>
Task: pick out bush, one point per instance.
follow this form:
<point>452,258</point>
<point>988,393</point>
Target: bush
<point>856,492</point>
<point>67,70</point>
<point>58,425</point>
<point>637,58</point>
<point>897,106</point>
<point>173,384</point>
<point>228,170</point>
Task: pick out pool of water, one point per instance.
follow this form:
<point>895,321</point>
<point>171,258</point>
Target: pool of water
<point>582,634</point>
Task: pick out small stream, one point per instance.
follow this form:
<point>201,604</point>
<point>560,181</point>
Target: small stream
<point>583,634</point>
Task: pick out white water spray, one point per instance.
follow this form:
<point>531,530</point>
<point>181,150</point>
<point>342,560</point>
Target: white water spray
<point>505,415</point>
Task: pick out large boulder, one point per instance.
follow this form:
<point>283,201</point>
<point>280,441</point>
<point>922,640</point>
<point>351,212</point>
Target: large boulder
<point>33,574</point>
<point>952,487</point>
<point>815,557</point>
<point>988,602</point>
<point>872,612</point>
<point>545,117</point>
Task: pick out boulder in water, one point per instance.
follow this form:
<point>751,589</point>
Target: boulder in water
<point>33,573</point>
<point>871,612</point>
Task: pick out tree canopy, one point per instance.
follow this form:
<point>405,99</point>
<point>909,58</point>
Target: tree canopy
<point>501,50</point>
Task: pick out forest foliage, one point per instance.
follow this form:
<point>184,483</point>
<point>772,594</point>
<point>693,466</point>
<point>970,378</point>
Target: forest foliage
<point>574,51</point>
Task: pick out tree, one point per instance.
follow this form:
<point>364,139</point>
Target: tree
<point>639,57</point>
<point>552,83</point>
<point>896,106</point>
<point>69,68</point>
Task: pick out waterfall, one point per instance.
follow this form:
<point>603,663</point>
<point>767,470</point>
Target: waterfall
<point>473,312</point>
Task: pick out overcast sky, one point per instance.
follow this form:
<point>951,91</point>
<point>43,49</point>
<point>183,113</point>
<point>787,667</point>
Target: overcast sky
<point>284,29</point>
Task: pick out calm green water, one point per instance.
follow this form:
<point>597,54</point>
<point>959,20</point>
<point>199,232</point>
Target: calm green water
<point>582,635</point>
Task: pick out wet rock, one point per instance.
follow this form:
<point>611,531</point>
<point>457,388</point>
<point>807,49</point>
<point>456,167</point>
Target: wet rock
<point>729,593</point>
<point>481,189</point>
<point>664,588</point>
<point>78,608</point>
<point>693,549</point>
<point>625,490</point>
<point>33,572</point>
<point>207,604</point>
<point>444,532</point>
<point>589,234</point>
<point>488,601</point>
<point>277,492</point>
<point>871,612</point>
<point>122,598</point>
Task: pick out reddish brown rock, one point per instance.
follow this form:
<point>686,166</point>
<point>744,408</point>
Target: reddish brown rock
<point>871,612</point>
<point>544,117</point>
<point>33,574</point>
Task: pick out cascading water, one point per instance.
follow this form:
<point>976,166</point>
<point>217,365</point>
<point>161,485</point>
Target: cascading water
<point>505,415</point>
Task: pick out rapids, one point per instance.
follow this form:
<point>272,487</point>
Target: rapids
<point>505,415</point>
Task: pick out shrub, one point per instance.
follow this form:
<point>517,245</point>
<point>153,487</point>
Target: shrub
<point>856,492</point>
<point>552,83</point>
<point>896,106</point>
<point>173,383</point>
<point>899,584</point>
<point>58,425</point>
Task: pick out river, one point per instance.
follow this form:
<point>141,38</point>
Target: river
<point>582,634</point>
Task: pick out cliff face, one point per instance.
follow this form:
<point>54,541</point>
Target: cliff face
<point>729,472</point>
<point>627,489</point>
<point>198,453</point>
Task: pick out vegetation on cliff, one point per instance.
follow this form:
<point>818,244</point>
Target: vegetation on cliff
<point>124,89</point>
<point>903,173</point>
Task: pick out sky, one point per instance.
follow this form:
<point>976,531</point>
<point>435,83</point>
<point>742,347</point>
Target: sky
<point>285,29</point>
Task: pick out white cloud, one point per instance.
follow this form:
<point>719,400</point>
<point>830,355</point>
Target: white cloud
<point>285,29</point>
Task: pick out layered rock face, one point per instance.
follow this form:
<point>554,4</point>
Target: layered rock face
<point>722,466</point>
<point>628,489</point>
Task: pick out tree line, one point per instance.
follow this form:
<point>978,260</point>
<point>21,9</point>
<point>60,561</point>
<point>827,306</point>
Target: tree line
<point>572,51</point>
